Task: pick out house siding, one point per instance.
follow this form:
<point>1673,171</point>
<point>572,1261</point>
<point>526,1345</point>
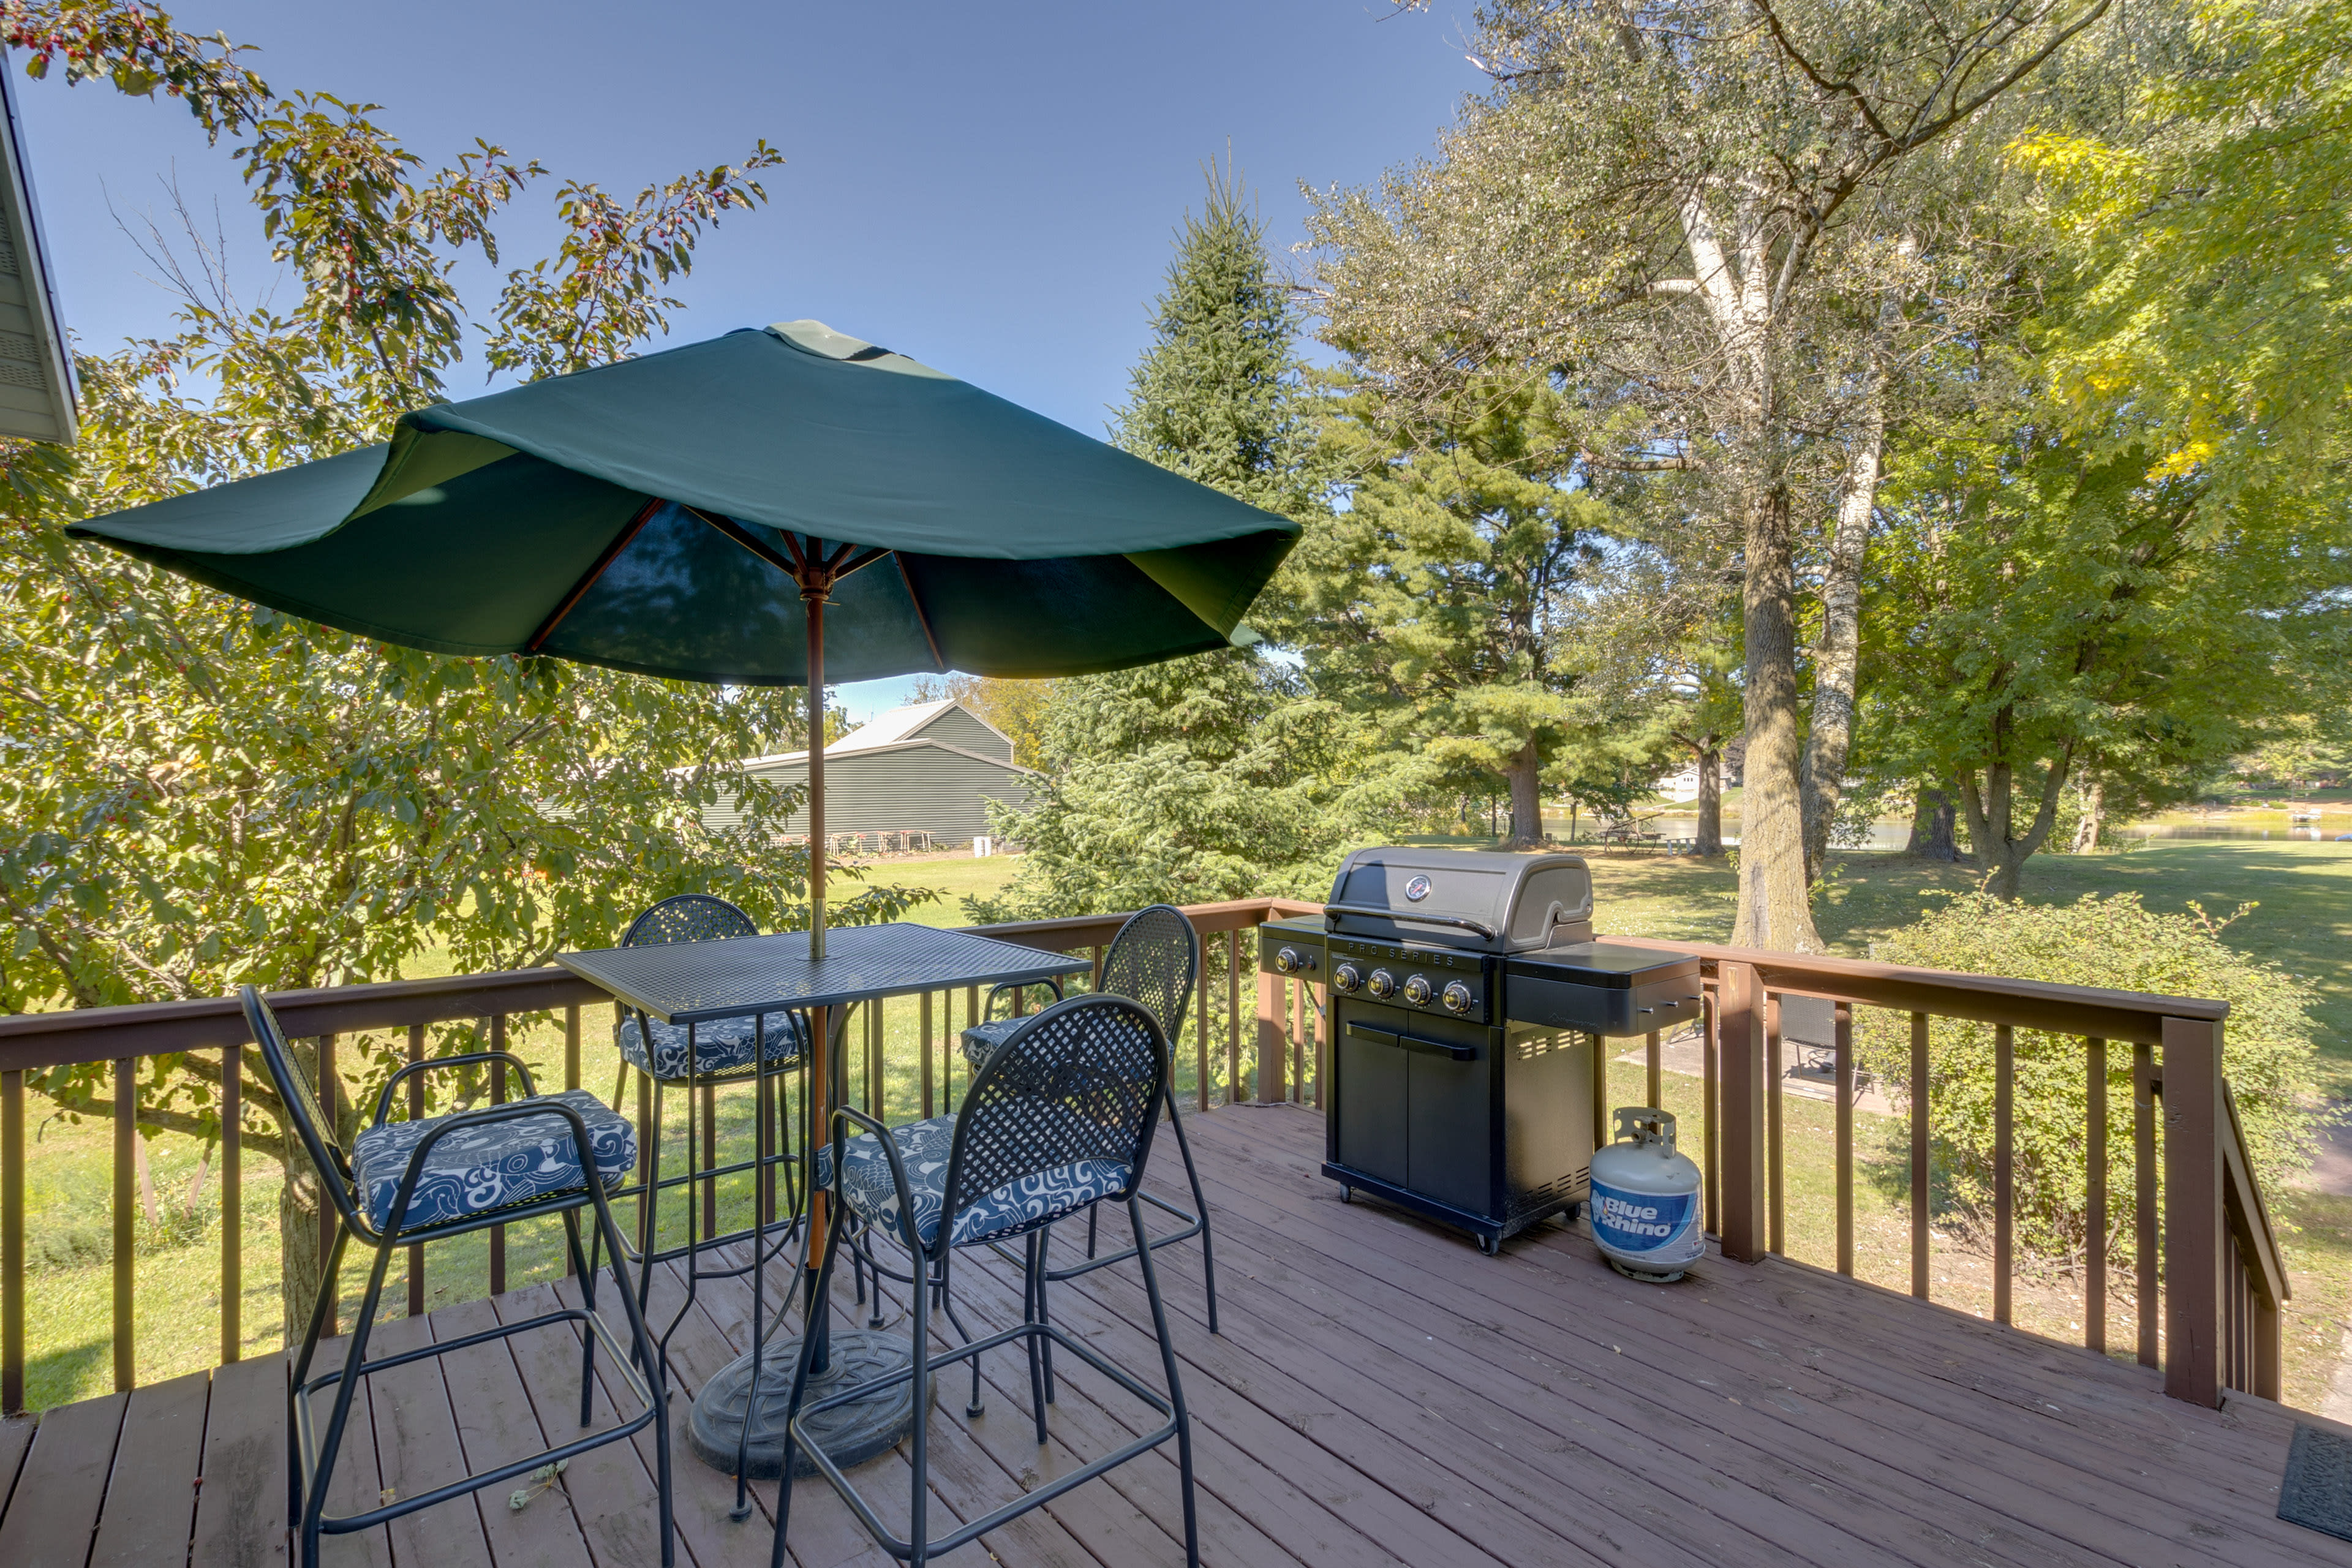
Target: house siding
<point>922,788</point>
<point>955,727</point>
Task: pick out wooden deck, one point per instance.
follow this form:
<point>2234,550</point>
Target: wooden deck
<point>1381,1394</point>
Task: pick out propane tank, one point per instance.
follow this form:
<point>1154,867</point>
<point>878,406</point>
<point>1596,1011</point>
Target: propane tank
<point>1645,1212</point>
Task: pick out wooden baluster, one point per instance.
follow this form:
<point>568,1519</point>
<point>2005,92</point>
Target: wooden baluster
<point>498,1097</point>
<point>1600,1128</point>
<point>1843,1014</point>
<point>1744,1096</point>
<point>11,1242</point>
<point>709,1093</point>
<point>1298,1041</point>
<point>2143,1200</point>
<point>647,1133</point>
<point>232,1199</point>
<point>1095,981</point>
<point>1206,1080</point>
<point>878,1087</point>
<point>1654,1084</point>
<point>1776,1165</point>
<point>1321,1024</point>
<point>2193,1225</point>
<point>572,1046</point>
<point>925,1024</point>
<point>2094,1173</point>
<point>416,1113</point>
<point>330,1107</point>
<point>1232,1016</point>
<point>2004,1165</point>
<point>1710,1094</point>
<point>126,1132</point>
<point>1922,1193</point>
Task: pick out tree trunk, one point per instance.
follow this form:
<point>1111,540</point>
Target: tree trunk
<point>1831,741</point>
<point>1710,801</point>
<point>1932,834</point>
<point>1525,775</point>
<point>300,1260</point>
<point>1775,901</point>
<point>2094,810</point>
<point>1991,808</point>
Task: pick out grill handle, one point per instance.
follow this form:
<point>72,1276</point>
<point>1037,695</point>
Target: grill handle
<point>1412,1042</point>
<point>1331,913</point>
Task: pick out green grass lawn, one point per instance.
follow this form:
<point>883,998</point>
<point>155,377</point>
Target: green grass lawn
<point>2304,893</point>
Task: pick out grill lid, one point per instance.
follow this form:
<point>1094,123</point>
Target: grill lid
<point>1483,899</point>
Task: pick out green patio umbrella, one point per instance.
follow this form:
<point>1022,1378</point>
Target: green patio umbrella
<point>775,507</point>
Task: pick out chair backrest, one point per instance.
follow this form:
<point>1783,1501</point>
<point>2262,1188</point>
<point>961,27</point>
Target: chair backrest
<point>1155,958</point>
<point>1081,1080</point>
<point>309,1120</point>
<point>688,916</point>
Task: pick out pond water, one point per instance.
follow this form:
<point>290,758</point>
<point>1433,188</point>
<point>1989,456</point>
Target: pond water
<point>2309,833</point>
<point>1890,835</point>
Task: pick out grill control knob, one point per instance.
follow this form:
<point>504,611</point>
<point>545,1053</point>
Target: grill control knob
<point>1416,990</point>
<point>1346,978</point>
<point>1290,961</point>
<point>1382,983</point>
<point>1457,997</point>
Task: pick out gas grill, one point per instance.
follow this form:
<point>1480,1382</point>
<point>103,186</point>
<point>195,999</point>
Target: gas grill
<point>1468,1003</point>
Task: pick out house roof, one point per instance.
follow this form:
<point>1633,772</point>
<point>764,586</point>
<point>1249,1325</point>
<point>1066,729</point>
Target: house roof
<point>897,727</point>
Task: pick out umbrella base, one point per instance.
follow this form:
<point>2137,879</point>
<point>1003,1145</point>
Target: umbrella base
<point>851,1434</point>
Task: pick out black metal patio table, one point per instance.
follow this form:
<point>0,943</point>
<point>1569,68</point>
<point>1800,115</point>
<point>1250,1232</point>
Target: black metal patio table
<point>691,983</point>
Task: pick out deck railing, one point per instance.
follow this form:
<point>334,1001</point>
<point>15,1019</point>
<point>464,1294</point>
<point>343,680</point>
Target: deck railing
<point>2213,1263</point>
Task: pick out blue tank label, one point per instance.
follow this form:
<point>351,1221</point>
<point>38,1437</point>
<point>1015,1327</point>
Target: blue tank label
<point>1637,1224</point>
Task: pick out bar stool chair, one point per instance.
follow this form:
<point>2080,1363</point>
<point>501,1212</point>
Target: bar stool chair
<point>1153,960</point>
<point>1059,1120</point>
<point>700,1056</point>
<point>407,1182</point>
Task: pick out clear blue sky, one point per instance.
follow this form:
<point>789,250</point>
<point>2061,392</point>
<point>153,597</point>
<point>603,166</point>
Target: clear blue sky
<point>990,188</point>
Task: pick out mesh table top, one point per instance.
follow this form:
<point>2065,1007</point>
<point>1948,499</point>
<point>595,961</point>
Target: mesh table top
<point>696,981</point>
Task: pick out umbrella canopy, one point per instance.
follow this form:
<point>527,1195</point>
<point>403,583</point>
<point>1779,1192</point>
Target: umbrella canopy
<point>657,515</point>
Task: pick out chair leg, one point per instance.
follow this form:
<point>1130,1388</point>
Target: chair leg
<point>919,1532</point>
<point>1201,1207</point>
<point>1044,1280</point>
<point>1034,1290</point>
<point>947,1304</point>
<point>800,1392</point>
<point>584,1265</point>
<point>656,1379</point>
<point>328,1276</point>
<point>1175,1383</point>
<point>331,1443</point>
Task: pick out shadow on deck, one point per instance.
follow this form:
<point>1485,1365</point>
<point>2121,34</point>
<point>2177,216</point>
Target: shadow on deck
<point>1381,1394</point>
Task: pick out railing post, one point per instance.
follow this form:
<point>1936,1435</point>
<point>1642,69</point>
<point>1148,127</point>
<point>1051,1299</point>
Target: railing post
<point>2145,1271</point>
<point>1744,1088</point>
<point>11,1242</point>
<point>2192,1210</point>
<point>1922,1172</point>
<point>1273,1039</point>
<point>2095,1182</point>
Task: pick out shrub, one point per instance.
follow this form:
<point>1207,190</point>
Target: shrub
<point>2269,1053</point>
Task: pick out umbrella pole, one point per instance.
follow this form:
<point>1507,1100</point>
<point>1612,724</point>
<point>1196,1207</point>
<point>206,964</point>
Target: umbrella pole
<point>818,1316</point>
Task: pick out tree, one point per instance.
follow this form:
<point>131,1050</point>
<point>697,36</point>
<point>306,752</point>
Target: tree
<point>2048,609</point>
<point>1439,603</point>
<point>202,793</point>
<point>2210,235</point>
<point>1671,211</point>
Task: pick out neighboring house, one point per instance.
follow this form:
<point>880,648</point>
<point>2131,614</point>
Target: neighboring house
<point>37,385</point>
<point>930,768</point>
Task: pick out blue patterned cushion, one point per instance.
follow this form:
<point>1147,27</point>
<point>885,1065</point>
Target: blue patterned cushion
<point>923,1147</point>
<point>980,1041</point>
<point>718,1046</point>
<point>478,1169</point>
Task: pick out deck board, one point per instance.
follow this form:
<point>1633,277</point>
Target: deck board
<point>1382,1395</point>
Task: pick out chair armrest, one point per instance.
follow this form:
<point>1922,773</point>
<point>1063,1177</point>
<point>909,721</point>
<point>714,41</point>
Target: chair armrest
<point>988,1007</point>
<point>841,1117</point>
<point>384,1100</point>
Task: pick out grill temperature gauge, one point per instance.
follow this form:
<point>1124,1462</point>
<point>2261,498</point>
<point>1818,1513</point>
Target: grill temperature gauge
<point>1382,984</point>
<point>1416,990</point>
<point>1346,978</point>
